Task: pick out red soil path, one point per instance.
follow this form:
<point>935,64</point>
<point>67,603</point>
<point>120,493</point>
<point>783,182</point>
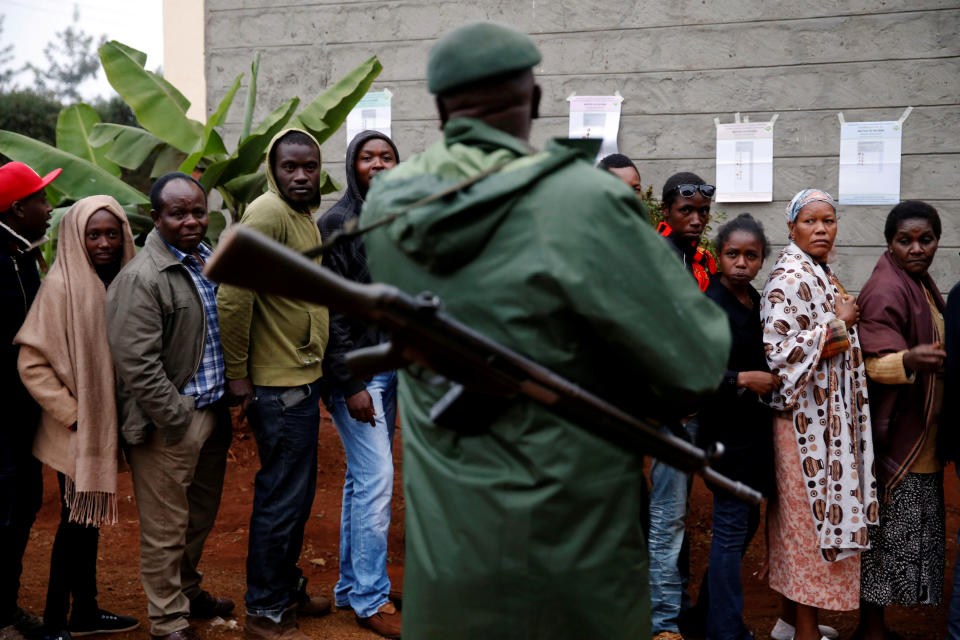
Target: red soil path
<point>223,562</point>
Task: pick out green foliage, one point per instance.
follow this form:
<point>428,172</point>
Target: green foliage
<point>155,136</point>
<point>74,127</point>
<point>31,114</point>
<point>160,108</point>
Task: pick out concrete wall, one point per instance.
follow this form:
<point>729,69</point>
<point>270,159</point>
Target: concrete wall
<point>678,65</point>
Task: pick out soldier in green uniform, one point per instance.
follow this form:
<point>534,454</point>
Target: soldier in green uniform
<point>530,527</point>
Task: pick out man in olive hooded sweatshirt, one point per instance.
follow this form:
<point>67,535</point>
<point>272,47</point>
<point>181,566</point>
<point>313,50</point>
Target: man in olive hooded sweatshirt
<point>273,351</point>
<point>528,526</point>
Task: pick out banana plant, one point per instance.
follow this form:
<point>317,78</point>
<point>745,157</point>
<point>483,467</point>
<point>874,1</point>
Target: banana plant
<point>93,153</point>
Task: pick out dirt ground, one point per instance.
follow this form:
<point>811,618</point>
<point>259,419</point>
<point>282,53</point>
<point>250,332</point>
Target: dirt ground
<point>223,561</point>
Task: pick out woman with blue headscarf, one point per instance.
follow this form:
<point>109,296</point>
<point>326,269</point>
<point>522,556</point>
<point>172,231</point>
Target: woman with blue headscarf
<point>826,493</point>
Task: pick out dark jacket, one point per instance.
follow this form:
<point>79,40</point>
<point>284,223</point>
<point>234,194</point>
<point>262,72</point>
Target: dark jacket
<point>736,417</point>
<point>949,443</point>
<point>19,282</point>
<point>156,327</point>
<point>348,259</point>
<point>895,315</point>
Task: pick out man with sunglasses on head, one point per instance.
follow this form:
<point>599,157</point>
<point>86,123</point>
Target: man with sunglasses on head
<point>685,205</point>
<point>686,210</point>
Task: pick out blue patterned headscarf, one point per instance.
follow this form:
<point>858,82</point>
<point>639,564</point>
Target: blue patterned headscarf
<point>804,198</point>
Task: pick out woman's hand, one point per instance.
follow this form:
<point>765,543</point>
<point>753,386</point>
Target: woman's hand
<point>925,358</point>
<point>760,382</point>
<point>848,311</point>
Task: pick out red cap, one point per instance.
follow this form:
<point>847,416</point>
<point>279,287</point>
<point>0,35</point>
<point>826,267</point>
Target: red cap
<point>17,181</point>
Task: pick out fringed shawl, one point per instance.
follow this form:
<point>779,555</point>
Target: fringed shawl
<point>65,364</point>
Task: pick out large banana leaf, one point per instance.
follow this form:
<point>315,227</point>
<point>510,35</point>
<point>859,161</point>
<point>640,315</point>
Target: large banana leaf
<point>79,179</point>
<point>159,107</point>
<point>249,155</point>
<point>251,102</point>
<point>74,126</point>
<point>129,147</point>
<point>169,159</point>
<point>329,110</point>
<point>247,188</point>
<point>210,143</point>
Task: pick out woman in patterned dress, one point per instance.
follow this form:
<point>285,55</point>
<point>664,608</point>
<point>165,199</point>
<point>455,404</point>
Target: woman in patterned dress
<point>901,332</point>
<point>823,454</point>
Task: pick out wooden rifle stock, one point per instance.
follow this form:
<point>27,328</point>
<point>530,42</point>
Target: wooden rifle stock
<point>487,374</point>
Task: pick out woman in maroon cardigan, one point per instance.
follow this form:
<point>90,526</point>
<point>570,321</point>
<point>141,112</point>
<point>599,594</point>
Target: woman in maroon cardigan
<point>901,329</point>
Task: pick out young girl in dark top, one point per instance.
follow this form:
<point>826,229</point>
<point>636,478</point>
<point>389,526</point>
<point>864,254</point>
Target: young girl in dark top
<point>738,419</point>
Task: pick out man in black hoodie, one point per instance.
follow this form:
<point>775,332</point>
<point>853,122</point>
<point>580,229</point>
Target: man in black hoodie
<point>364,411</point>
<point>24,218</point>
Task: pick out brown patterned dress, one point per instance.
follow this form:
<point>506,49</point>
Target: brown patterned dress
<point>826,487</point>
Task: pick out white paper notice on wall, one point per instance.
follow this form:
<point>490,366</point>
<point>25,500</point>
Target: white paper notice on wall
<point>596,117</point>
<point>372,112</point>
<point>870,162</point>
<point>745,161</point>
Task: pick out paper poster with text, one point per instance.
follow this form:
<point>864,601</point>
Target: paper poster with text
<point>372,112</point>
<point>745,162</point>
<point>870,162</point>
<point>598,118</point>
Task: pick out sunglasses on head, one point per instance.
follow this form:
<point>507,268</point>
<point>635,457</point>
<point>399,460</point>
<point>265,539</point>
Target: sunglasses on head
<point>690,190</point>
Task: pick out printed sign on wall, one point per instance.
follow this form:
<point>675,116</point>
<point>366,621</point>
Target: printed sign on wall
<point>596,117</point>
<point>745,161</point>
<point>870,162</point>
<point>372,112</point>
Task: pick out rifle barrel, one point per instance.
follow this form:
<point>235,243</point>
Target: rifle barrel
<point>246,258</point>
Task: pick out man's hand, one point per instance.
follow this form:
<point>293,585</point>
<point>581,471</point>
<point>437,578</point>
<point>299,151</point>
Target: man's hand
<point>240,392</point>
<point>760,382</point>
<point>360,407</point>
<point>925,358</point>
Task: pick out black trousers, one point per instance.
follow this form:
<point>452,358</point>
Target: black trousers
<point>21,494</point>
<point>73,569</point>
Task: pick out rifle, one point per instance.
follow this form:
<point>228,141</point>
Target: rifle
<point>487,375</point>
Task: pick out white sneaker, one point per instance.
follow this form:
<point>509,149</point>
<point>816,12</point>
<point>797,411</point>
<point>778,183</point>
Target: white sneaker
<point>784,631</point>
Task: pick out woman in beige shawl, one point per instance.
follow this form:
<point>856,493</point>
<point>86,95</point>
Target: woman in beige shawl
<point>65,364</point>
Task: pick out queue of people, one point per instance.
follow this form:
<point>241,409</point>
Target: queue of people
<point>834,408</point>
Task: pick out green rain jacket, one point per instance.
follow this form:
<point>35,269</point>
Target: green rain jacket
<point>532,528</point>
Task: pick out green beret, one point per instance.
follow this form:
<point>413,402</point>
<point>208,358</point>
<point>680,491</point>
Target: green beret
<point>475,52</point>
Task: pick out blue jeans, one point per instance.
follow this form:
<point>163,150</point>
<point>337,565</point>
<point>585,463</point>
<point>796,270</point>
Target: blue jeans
<point>367,489</point>
<point>734,523</point>
<point>668,513</point>
<point>285,422</point>
<point>953,618</point>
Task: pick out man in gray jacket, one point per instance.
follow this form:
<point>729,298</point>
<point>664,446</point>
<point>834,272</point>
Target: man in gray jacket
<point>165,341</point>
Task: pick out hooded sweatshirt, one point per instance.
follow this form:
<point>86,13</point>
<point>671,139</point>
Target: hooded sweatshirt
<point>349,260</point>
<point>274,341</point>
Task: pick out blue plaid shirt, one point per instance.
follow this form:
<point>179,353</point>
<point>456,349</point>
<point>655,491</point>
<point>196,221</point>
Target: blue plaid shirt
<point>208,382</point>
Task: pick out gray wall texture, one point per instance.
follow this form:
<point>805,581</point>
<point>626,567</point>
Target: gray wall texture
<point>677,64</point>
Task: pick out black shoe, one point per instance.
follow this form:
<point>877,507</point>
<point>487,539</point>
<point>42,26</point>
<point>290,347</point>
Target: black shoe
<point>63,634</point>
<point>206,606</point>
<point>101,622</point>
<point>26,623</point>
